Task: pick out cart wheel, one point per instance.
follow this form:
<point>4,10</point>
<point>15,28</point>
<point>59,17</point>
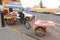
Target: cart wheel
<point>8,22</point>
<point>27,25</point>
<point>13,21</point>
<point>40,31</point>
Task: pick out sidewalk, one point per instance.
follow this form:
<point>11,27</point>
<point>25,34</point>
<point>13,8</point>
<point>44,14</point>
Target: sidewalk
<point>7,34</point>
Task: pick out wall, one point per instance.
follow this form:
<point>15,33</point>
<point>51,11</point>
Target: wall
<point>5,2</point>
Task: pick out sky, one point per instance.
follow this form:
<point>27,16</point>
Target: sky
<point>46,3</point>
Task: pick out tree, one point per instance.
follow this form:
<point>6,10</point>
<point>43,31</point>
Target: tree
<point>41,4</point>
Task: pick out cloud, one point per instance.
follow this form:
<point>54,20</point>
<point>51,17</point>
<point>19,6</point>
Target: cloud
<point>47,3</point>
<point>51,3</point>
<point>29,3</point>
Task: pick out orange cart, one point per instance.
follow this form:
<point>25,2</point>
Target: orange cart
<point>10,19</point>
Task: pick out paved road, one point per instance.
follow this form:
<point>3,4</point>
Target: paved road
<point>53,33</point>
<point>47,17</point>
<point>7,34</point>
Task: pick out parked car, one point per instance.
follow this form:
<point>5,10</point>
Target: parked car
<point>57,13</point>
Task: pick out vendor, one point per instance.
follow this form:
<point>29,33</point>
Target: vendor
<point>14,13</point>
<point>5,11</point>
<point>21,15</point>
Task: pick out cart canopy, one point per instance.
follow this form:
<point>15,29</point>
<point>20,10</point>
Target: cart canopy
<point>13,6</point>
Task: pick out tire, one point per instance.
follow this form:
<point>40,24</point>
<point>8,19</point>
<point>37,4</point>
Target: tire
<point>26,22</point>
<point>40,31</point>
<point>27,25</point>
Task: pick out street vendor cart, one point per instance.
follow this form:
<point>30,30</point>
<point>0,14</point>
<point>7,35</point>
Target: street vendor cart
<point>40,27</point>
<point>10,18</point>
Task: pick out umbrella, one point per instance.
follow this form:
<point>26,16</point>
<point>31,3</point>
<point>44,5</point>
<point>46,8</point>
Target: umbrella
<point>13,6</point>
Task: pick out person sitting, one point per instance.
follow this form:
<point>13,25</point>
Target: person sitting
<point>21,15</point>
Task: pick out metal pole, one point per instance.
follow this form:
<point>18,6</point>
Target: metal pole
<point>2,19</point>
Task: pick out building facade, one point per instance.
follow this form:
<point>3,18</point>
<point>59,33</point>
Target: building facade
<point>5,2</point>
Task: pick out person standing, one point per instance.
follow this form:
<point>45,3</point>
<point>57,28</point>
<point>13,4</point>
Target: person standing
<point>2,19</point>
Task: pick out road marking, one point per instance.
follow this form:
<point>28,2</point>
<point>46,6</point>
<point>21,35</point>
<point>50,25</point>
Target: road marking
<point>19,32</point>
